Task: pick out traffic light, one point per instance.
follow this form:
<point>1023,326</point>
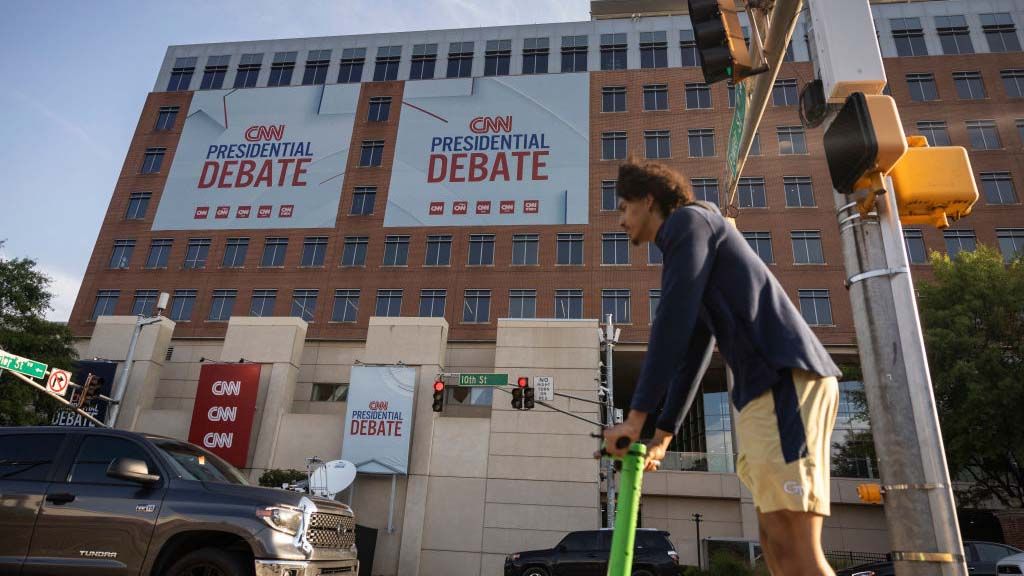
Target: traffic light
<point>603,376</point>
<point>92,393</point>
<point>864,142</point>
<point>933,184</point>
<point>719,37</point>
<point>517,392</point>
<point>85,392</point>
<point>438,395</point>
<point>528,398</point>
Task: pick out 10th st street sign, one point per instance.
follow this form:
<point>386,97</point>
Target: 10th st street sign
<point>483,379</point>
<point>21,365</point>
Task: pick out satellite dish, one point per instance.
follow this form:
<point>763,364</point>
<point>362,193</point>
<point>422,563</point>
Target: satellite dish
<point>332,477</point>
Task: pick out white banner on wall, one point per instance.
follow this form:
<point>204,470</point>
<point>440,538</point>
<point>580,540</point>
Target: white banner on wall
<point>378,419</point>
<point>260,158</point>
<point>492,151</point>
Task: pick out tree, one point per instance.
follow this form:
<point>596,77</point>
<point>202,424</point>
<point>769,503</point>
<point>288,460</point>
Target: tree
<point>275,477</point>
<point>24,299</point>
<point>973,320</point>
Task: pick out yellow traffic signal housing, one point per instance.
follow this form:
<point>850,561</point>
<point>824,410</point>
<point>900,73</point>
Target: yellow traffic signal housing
<point>865,142</point>
<point>870,493</point>
<point>933,184</point>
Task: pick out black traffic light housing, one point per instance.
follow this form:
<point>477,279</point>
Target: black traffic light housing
<point>86,394</point>
<point>519,394</point>
<point>719,37</point>
<point>865,140</point>
<point>528,398</point>
<point>438,395</point>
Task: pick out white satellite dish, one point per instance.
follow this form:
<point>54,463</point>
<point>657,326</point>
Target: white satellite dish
<point>332,477</point>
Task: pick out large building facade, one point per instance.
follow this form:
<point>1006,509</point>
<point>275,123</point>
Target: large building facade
<point>445,200</point>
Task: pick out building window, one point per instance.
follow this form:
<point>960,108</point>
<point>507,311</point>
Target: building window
<point>281,68</point>
<point>313,250</point>
<point>182,304</point>
<point>954,34</point>
<point>214,73</point>
<point>460,59</point>
<point>574,53</point>
<point>122,254</point>
<point>196,253</point>
<point>524,249</point>
<point>653,299</point>
<point>615,248</point>
<point>784,93</point>
<point>476,307</point>
<point>998,188</point>
<point>816,307</point>
<point>439,250</point>
<point>424,60</point>
<point>522,303</point>
<point>1011,243</point>
<point>273,252</point>
<point>969,85</point>
<point>909,36</point>
<point>789,56</point>
<point>698,96</point>
<point>568,304</point>
<point>497,55</point>
<point>799,191</point>
<point>262,303</point>
<point>396,250</point>
<point>613,51</point>
<point>616,303</point>
<point>234,252</point>
<point>653,50</point>
<point>346,306</point>
<point>705,189</point>
<point>656,97</point>
<point>751,193</point>
<point>922,87</point>
<point>984,135</point>
<point>535,55</point>
<point>106,302</point>
<point>609,201</point>
<point>165,117</point>
<point>386,67</point>
<point>328,392</point>
<point>913,241</point>
<point>654,255</point>
<point>159,250</point>
<point>791,140</point>
<point>370,153</point>
<point>354,253</point>
<point>351,69</point>
<point>138,203</point>
<point>807,247</point>
<point>755,145</point>
<point>732,93</point>
<point>1000,32</point>
<point>432,303</point>
<point>761,244</point>
<point>304,304</point>
<point>702,142</point>
<point>657,144</point>
<point>222,303</point>
<point>935,132</point>
<point>181,74</point>
<point>248,70</point>
<point>1020,131</point>
<point>317,62</point>
<point>363,199</point>
<point>613,145</point>
<point>569,249</point>
<point>389,303</point>
<point>1013,81</point>
<point>153,160</point>
<point>481,250</point>
<point>613,99</point>
<point>688,49</point>
<point>959,240</point>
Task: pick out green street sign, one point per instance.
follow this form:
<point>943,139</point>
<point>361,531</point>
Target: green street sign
<point>736,130</point>
<point>483,379</point>
<point>22,365</point>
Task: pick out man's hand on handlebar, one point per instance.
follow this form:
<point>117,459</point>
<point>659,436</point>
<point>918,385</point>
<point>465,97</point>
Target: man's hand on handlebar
<point>618,438</point>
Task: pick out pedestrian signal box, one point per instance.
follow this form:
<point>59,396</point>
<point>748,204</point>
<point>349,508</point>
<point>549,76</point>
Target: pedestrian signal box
<point>933,185</point>
<point>864,142</point>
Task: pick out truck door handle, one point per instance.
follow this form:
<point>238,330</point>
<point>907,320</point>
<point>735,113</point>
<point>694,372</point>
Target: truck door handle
<point>62,498</point>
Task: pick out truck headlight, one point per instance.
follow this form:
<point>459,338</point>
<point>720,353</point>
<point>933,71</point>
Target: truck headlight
<point>281,518</point>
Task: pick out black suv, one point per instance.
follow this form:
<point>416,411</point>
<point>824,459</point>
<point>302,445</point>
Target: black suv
<point>586,552</point>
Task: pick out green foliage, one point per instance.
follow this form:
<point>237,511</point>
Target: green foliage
<point>973,319</point>
<point>274,478</point>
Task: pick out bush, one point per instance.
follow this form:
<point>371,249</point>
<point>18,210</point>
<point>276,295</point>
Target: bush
<point>276,477</point>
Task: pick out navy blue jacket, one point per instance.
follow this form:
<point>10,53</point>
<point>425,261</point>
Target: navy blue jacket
<point>713,284</point>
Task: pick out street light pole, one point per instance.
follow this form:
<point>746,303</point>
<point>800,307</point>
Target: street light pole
<point>122,382</point>
<point>697,520</point>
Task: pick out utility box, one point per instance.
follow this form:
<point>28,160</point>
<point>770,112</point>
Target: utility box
<point>840,28</point>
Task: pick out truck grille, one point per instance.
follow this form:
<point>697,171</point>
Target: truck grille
<point>1009,570</point>
<point>331,530</point>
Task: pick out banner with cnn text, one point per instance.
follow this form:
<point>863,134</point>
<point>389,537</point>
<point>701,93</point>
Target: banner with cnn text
<point>378,419</point>
<point>224,410</point>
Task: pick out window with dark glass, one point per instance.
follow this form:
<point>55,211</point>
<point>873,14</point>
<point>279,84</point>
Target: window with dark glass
<point>934,131</point>
<point>522,303</point>
<point>657,144</point>
<point>613,99</point>
<point>615,248</point>
<point>234,252</point>
<point>613,145</point>
<point>688,49</point>
<point>655,97</point>
<point>1013,81</point>
<point>460,60</point>
<point>535,55</point>
<point>616,303</point>
<point>791,140</point>
<point>97,453</point>
<point>569,249</point>
<point>144,302</point>
<point>386,65</point>
<point>476,307</point>
<point>983,135</point>
<point>755,145</point>
<point>354,252</point>
<point>969,85</point>
<point>138,203</point>
<point>816,307</point>
<point>181,74</point>
<point>481,250</point>
<point>424,61</point>
<point>317,62</point>
<point>784,93</point>
<point>613,51</point>
<point>389,303</point>
<point>958,241</point>
<point>396,250</point>
<point>702,142</point>
<point>761,243</point>
<point>653,50</point>
<point>215,72</point>
<point>1020,131</point>
<point>954,34</point>
<point>1000,32</point>
<point>304,304</point>
<point>1011,243</point>
<point>159,250</point>
<point>524,249</point>
<point>568,304</point>
<point>807,247</point>
<point>221,304</point>
<point>653,299</point>
<point>497,57</point>
<point>922,87</point>
<point>789,56</point>
<point>182,304</point>
<point>281,68</point>
<point>371,153</point>
<point>913,241</point>
<point>574,53</point>
<point>732,93</point>
<point>909,36</point>
<point>351,68</point>
<point>165,117</point>
<point>705,189</point>
<point>274,249</point>
<point>751,193</point>
<point>698,95</point>
<point>314,248</point>
<point>439,250</point>
<point>799,191</point>
<point>196,253</point>
<point>328,392</point>
<point>262,303</point>
<point>609,201</point>
<point>153,160</point>
<point>346,306</point>
<point>248,70</point>
<point>122,254</point>
<point>363,199</point>
<point>998,188</point>
<point>432,303</point>
<point>106,302</point>
<point>654,255</point>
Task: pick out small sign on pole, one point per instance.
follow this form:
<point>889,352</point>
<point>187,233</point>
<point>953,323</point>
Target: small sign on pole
<point>58,381</point>
<point>29,368</point>
<point>545,386</point>
<point>483,380</point>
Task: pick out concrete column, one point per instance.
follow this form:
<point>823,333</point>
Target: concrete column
<point>110,340</point>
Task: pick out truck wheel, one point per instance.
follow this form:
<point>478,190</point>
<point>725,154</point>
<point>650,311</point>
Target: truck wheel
<point>211,562</point>
<point>535,571</point>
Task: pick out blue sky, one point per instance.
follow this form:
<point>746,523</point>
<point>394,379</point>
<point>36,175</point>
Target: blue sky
<point>76,74</point>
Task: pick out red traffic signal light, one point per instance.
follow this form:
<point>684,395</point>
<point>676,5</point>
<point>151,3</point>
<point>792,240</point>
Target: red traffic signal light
<point>439,386</point>
<point>523,382</point>
<point>438,400</point>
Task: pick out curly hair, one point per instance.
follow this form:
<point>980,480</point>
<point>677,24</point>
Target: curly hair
<point>639,179</point>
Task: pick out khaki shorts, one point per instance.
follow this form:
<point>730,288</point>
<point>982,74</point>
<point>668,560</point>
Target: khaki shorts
<point>785,443</point>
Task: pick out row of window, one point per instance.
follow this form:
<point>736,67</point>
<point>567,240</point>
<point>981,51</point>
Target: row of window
<point>378,110</point>
<point>1011,243</point>
<point>697,96</point>
<point>970,85</point>
<point>476,304</point>
<point>700,143</point>
<point>955,34</point>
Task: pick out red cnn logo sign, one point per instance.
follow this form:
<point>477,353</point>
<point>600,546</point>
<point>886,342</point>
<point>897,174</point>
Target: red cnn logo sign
<point>224,410</point>
<point>484,124</point>
<point>243,211</point>
<point>436,208</point>
<point>223,212</point>
<point>261,133</point>
<point>483,206</point>
<point>531,206</point>
<point>202,212</point>
<point>265,211</point>
<point>286,210</point>
<point>508,206</point>
<point>460,207</point>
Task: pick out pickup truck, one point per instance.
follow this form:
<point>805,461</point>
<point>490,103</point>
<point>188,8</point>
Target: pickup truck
<point>82,501</point>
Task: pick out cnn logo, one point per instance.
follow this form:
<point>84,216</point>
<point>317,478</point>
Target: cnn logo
<point>264,133</point>
<point>485,124</point>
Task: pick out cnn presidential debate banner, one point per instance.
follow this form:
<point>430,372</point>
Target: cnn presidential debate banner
<point>266,158</point>
<point>224,410</point>
<point>378,419</point>
<point>511,150</point>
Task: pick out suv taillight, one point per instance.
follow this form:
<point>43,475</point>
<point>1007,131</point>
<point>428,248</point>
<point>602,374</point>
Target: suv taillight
<point>675,557</point>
